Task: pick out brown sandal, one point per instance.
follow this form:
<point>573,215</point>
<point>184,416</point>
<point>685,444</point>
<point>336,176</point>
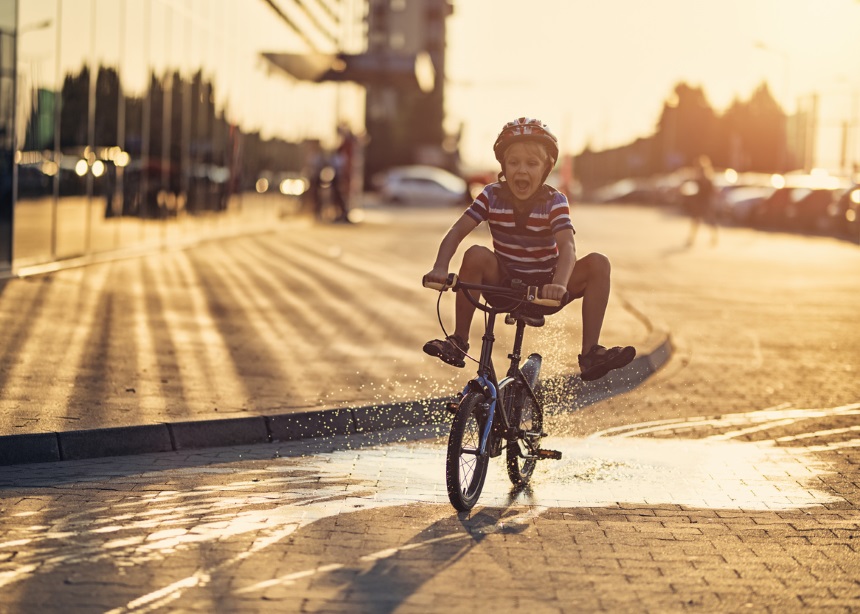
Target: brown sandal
<point>451,350</point>
<point>599,361</point>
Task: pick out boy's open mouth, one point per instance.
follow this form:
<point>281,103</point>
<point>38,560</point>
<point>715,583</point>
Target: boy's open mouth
<point>521,185</point>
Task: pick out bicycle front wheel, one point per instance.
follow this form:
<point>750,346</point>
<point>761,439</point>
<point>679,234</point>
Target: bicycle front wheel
<point>530,416</point>
<point>465,470</point>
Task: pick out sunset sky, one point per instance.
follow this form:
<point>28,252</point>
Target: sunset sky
<point>599,72</point>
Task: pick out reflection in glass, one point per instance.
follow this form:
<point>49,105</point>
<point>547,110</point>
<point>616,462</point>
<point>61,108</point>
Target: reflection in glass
<point>36,131</point>
<point>135,120</point>
<point>76,156</point>
<point>105,207</point>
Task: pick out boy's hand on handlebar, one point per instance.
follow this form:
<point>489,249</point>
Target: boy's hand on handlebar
<point>554,292</point>
<point>437,276</point>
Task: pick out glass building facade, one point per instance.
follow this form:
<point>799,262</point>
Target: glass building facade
<point>133,122</point>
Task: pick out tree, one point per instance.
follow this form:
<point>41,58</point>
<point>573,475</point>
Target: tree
<point>686,127</point>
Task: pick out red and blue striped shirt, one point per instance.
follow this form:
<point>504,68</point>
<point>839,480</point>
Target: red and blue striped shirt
<point>526,245</point>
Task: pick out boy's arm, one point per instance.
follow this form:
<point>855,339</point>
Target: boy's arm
<point>564,266</point>
<point>455,235</point>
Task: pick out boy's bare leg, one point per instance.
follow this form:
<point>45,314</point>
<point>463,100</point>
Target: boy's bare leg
<point>591,278</point>
<point>479,267</point>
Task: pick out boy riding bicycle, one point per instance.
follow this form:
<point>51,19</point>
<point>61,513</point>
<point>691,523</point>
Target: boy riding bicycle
<point>533,241</point>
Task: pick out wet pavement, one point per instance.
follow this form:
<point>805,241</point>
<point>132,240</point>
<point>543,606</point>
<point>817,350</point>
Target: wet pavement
<point>665,516</point>
<point>727,481</point>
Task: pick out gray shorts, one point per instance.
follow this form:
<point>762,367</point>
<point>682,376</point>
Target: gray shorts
<point>533,279</point>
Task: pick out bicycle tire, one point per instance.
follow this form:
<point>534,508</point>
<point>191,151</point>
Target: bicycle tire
<point>530,414</point>
<point>465,471</point>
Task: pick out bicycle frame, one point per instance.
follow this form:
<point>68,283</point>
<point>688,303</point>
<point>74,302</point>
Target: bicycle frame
<point>492,413</point>
<point>486,382</point>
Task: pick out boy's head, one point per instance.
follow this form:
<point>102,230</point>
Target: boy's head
<point>520,144</point>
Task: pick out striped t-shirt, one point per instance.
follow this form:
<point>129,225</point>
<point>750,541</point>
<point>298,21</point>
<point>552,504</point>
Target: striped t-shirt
<point>526,245</point>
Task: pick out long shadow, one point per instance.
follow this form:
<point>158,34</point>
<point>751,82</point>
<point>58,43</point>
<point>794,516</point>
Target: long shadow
<point>250,353</point>
<point>21,332</point>
<point>397,573</point>
<point>93,380</point>
<point>349,290</point>
<point>169,379</point>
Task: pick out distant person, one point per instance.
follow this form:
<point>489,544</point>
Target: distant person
<point>339,186</point>
<point>701,201</point>
<point>343,163</point>
<point>533,241</point>
<point>314,167</point>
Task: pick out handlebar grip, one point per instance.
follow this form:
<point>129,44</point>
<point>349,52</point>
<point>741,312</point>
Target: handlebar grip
<point>450,282</point>
<point>547,302</point>
<point>534,299</point>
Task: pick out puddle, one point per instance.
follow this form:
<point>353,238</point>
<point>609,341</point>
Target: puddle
<point>608,471</point>
<point>646,463</point>
<point>693,473</point>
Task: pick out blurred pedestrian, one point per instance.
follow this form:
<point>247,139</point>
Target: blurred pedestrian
<point>700,200</point>
<point>343,162</point>
<point>314,166</point>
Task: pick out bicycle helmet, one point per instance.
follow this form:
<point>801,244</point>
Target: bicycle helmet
<point>526,129</point>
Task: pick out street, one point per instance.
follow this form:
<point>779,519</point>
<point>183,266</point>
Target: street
<point>727,481</point>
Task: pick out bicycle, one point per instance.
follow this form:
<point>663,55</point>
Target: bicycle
<point>492,416</point>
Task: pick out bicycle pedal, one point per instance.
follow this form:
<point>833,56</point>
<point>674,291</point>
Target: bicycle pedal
<point>548,455</point>
<point>452,406</point>
<point>532,434</point>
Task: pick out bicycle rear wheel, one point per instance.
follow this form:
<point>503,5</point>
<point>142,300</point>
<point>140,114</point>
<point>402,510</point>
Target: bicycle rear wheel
<point>465,470</point>
<point>530,416</point>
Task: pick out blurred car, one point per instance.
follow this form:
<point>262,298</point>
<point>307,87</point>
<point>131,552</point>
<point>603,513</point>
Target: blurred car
<point>738,195</point>
<point>737,204</point>
<point>423,185</point>
<point>812,213</point>
<point>625,191</point>
<point>801,203</point>
<point>845,214</point>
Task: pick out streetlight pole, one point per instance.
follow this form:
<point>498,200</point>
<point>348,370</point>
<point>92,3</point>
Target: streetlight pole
<point>786,90</point>
<point>786,59</point>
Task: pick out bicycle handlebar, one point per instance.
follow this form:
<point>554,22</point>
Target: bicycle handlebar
<point>450,283</point>
<point>527,293</point>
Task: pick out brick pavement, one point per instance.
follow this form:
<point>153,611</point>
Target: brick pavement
<point>726,482</point>
<point>349,525</point>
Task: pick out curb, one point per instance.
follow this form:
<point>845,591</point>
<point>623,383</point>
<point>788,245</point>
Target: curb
<point>174,437</point>
<point>167,437</point>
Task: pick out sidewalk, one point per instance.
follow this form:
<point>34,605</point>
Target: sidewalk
<point>226,343</point>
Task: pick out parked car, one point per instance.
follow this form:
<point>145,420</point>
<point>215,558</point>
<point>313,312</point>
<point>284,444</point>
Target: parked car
<point>423,185</point>
<point>813,212</point>
<point>737,204</point>
<point>845,214</point>
<point>800,203</point>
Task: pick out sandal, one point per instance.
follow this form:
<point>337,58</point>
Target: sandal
<point>451,350</point>
<point>599,361</point>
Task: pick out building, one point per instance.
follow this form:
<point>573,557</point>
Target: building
<point>405,122</point>
<point>400,61</point>
<point>128,123</point>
